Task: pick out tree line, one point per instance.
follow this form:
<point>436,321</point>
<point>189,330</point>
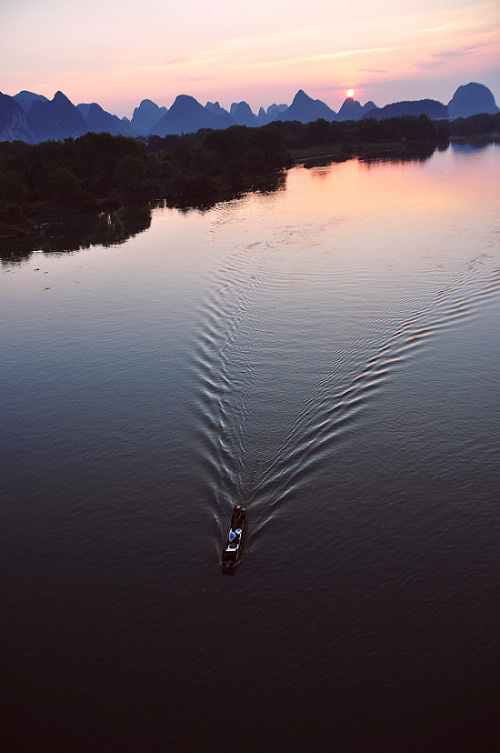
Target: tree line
<point>97,170</point>
<point>353,133</point>
<point>100,170</point>
<point>477,126</point>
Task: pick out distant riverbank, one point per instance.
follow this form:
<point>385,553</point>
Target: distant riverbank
<point>394,150</point>
<point>42,184</point>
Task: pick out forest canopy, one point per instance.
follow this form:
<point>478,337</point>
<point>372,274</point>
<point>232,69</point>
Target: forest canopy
<point>97,170</point>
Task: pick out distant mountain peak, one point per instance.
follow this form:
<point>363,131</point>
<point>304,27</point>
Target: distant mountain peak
<point>471,99</point>
<point>26,99</point>
<point>306,109</point>
<point>242,114</point>
<point>185,99</point>
<point>187,115</point>
<point>148,103</point>
<point>301,97</point>
<point>215,108</point>
<point>57,119</point>
<point>40,118</point>
<point>13,121</point>
<point>146,116</point>
<point>351,110</point>
<point>61,98</point>
<point>429,107</point>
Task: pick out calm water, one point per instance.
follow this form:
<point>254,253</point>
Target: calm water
<point>327,355</point>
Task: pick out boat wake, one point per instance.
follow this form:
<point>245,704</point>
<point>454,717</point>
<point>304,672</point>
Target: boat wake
<point>258,449</point>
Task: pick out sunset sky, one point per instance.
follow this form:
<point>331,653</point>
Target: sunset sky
<point>118,53</point>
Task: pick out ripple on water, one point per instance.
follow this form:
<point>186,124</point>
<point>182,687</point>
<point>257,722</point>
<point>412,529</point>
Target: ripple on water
<point>257,453</point>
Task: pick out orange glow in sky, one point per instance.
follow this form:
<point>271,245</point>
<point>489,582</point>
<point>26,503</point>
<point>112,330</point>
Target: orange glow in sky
<point>118,53</point>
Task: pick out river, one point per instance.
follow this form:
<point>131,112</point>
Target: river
<point>326,354</point>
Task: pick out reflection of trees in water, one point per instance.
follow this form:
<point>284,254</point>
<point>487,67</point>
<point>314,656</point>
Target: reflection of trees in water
<point>372,153</point>
<point>79,231</point>
<point>405,153</point>
<point>465,147</point>
<point>111,227</point>
<point>196,194</point>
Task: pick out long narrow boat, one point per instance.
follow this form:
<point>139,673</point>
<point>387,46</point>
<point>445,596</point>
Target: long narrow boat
<point>234,540</point>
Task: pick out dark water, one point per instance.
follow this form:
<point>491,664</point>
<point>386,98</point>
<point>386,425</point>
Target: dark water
<point>327,355</point>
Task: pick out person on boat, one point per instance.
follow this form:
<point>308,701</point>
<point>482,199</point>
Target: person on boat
<point>234,536</point>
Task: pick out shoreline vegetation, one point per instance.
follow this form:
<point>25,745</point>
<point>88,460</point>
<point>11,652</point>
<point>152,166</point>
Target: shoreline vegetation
<point>46,184</point>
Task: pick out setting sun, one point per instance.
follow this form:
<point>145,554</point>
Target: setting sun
<point>350,92</point>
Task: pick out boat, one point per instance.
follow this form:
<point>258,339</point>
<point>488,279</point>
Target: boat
<point>234,540</point>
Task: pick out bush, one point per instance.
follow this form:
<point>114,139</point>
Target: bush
<point>63,187</point>
<point>12,188</point>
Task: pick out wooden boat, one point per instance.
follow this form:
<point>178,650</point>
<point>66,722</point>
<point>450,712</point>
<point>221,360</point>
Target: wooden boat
<point>234,540</point>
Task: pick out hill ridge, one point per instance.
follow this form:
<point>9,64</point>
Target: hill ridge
<point>32,117</point>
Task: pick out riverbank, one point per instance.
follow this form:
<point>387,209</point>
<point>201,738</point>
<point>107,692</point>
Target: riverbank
<point>97,172</point>
<point>394,150</point>
<point>41,185</point>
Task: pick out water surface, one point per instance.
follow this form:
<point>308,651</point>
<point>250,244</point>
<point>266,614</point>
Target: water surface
<point>327,355</point>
